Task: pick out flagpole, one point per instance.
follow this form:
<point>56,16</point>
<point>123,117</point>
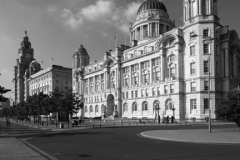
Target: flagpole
<point>115,39</point>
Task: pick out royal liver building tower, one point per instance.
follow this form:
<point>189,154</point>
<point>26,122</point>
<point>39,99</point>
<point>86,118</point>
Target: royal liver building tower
<point>165,67</point>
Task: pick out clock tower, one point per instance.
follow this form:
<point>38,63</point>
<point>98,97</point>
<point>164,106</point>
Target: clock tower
<point>26,56</point>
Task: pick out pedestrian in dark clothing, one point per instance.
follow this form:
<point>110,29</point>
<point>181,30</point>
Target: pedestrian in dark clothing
<point>167,119</point>
<point>172,118</point>
<point>6,121</point>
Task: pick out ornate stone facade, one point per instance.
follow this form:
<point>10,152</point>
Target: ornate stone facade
<point>166,66</point>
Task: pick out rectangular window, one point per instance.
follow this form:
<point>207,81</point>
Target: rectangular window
<point>146,92</point>
<point>57,81</point>
<point>172,72</point>
<point>165,89</point>
<point>142,93</point>
<point>193,68</point>
<point>172,88</point>
<point>132,94</point>
<point>206,48</point>
<point>206,103</point>
<point>136,93</point>
<point>205,33</point>
<point>153,91</point>
<point>123,94</point>
<point>193,103</point>
<point>205,65</point>
<point>192,50</point>
<point>126,95</point>
<point>193,86</point>
<point>206,86</point>
<point>158,91</point>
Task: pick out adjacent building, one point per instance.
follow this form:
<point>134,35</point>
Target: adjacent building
<point>54,77</point>
<point>166,66</point>
<point>30,78</point>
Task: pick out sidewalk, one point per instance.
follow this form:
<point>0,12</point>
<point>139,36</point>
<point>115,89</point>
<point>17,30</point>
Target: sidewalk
<point>217,136</point>
<point>13,149</point>
<point>50,127</point>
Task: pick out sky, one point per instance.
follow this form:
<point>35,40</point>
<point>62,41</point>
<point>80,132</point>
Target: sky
<point>56,28</point>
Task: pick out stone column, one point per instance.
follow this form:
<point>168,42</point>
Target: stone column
<point>148,29</point>
<point>162,66</point>
<point>210,7</point>
<point>200,7</point>
<point>131,36</point>
<point>130,77</point>
<point>151,70</point>
<point>222,62</point>
<point>226,62</point>
<point>235,64</point>
<point>197,3</point>
<point>140,74</point>
<point>94,84</point>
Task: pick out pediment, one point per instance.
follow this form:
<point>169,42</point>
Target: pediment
<point>109,61</point>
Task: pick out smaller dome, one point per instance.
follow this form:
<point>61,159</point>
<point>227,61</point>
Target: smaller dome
<point>81,50</point>
<point>152,4</point>
<point>35,64</point>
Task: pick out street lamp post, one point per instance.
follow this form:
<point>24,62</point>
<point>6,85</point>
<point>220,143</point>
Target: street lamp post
<point>158,108</point>
<point>208,41</point>
<point>173,109</point>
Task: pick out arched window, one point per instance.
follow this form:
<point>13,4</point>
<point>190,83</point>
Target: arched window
<point>156,104</point>
<point>125,107</point>
<point>145,50</point>
<point>86,110</point>
<point>91,109</point>
<point>145,106</point>
<point>135,54</point>
<point>103,109</point>
<point>96,109</point>
<point>150,49</point>
<point>134,106</point>
<point>168,104</point>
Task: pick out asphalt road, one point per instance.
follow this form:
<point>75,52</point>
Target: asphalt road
<point>124,143</point>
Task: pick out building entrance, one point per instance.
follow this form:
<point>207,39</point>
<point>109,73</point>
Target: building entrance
<point>110,105</point>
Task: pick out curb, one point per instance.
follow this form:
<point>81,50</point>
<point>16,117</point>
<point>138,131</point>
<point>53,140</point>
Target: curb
<point>143,135</point>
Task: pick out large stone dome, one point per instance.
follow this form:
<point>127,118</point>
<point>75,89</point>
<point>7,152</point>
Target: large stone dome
<point>152,4</point>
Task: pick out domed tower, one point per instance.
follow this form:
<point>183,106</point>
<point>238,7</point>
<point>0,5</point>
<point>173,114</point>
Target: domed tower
<point>34,67</point>
<point>152,20</point>
<point>80,60</point>
<point>80,57</point>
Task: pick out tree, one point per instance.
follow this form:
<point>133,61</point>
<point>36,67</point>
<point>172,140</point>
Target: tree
<point>229,109</point>
<point>3,91</point>
<point>70,104</point>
